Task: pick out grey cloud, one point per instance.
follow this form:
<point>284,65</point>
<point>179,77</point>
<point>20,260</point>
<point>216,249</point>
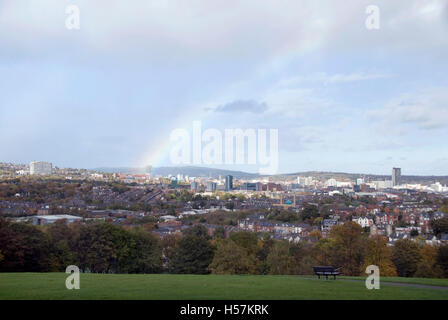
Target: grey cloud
<point>243,106</point>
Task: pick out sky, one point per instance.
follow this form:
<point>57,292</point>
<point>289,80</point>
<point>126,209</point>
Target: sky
<point>343,97</point>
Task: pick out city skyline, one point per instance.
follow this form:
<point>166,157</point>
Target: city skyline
<point>148,170</point>
<point>343,98</point>
<point>46,168</point>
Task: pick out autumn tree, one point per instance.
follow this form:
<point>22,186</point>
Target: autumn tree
<point>304,260</point>
<point>315,235</point>
<point>279,260</point>
<point>24,247</point>
<point>379,254</point>
<point>170,245</point>
<point>220,232</point>
<point>247,240</point>
<point>427,267</point>
<point>62,242</point>
<point>406,256</point>
<point>322,252</point>
<point>348,247</point>
<point>231,258</point>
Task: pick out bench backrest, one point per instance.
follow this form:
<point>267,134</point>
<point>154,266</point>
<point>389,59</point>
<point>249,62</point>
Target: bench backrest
<point>324,269</point>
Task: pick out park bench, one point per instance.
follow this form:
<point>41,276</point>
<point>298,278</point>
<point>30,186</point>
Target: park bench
<point>327,271</point>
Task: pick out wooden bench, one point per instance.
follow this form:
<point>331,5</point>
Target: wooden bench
<point>327,271</point>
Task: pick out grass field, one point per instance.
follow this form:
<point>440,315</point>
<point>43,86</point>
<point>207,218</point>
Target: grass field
<point>163,286</point>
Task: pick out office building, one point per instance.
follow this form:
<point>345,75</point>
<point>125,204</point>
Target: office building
<point>50,219</point>
<point>396,176</point>
<point>248,186</point>
<point>41,168</point>
<point>229,183</point>
<point>194,185</point>
<point>211,186</point>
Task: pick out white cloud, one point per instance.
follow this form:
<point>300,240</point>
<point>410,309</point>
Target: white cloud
<point>426,109</point>
<point>261,29</point>
<point>324,78</point>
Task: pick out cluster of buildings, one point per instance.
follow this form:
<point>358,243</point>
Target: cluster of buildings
<point>35,168</point>
<point>285,231</point>
<point>383,207</point>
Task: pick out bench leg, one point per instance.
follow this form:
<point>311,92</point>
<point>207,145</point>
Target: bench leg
<point>334,277</point>
<point>326,276</point>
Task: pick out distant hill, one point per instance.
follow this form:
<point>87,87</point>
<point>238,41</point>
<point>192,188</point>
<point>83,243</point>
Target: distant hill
<point>202,172</point>
<point>126,170</point>
<point>187,170</point>
<point>368,177</point>
<point>215,173</point>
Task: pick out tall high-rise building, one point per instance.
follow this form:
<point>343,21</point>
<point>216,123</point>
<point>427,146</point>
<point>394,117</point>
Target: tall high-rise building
<point>396,176</point>
<point>41,168</point>
<point>229,183</point>
<point>211,186</point>
<point>194,185</point>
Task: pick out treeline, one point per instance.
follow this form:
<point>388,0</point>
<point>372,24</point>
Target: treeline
<point>96,247</point>
<point>42,190</point>
<point>105,248</point>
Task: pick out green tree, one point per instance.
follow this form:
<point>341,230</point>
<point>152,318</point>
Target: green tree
<point>220,232</point>
<point>146,255</point>
<point>193,254</point>
<point>170,245</point>
<point>198,230</point>
<point>230,205</point>
<point>232,259</point>
<point>62,256</point>
<point>279,260</point>
<point>442,259</point>
<point>406,256</point>
<point>309,213</point>
<point>247,240</point>
<point>59,231</point>
<point>414,233</point>
<point>440,226</point>
<point>266,244</point>
<point>97,248</point>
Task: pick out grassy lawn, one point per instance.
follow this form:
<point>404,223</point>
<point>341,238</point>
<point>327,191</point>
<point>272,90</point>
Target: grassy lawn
<point>425,281</point>
<point>164,286</point>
